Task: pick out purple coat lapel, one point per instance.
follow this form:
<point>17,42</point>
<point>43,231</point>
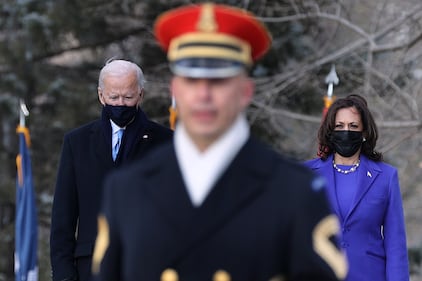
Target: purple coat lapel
<point>367,173</point>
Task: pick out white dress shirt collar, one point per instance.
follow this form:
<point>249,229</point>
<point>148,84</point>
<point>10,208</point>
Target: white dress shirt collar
<point>201,170</point>
<point>114,129</point>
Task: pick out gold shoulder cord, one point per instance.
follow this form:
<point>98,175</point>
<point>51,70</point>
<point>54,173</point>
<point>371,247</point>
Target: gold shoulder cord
<point>101,244</point>
<point>335,258</point>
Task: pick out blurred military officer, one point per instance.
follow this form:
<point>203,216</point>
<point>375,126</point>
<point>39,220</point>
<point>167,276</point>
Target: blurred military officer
<point>215,204</point>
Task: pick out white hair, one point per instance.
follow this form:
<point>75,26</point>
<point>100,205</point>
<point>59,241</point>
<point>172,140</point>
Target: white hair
<point>120,67</point>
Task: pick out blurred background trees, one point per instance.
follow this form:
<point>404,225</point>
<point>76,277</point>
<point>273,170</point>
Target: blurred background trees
<point>51,52</point>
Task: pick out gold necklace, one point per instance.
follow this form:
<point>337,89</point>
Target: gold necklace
<point>351,170</point>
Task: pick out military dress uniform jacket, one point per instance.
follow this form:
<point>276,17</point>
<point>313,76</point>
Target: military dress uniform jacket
<point>373,230</point>
<point>264,219</point>
<point>85,161</point>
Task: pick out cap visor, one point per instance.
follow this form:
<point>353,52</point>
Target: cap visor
<point>206,68</point>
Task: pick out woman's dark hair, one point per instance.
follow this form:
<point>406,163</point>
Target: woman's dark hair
<point>370,131</point>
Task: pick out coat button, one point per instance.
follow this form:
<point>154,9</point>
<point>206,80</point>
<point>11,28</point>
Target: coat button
<point>169,275</point>
<point>221,275</point>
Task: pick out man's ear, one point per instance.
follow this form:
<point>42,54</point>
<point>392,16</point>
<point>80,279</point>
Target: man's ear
<point>141,98</point>
<point>141,94</point>
<point>100,96</point>
<point>248,91</point>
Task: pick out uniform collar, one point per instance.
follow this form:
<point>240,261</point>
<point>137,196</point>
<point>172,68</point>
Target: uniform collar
<point>201,170</point>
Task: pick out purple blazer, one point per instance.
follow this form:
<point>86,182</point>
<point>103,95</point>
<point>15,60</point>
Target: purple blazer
<point>373,231</point>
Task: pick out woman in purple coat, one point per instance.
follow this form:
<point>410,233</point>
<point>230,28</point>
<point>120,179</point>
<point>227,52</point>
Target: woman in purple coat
<point>364,192</point>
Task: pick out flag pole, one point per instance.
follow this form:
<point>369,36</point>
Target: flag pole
<point>26,224</point>
<point>331,80</point>
<point>23,112</point>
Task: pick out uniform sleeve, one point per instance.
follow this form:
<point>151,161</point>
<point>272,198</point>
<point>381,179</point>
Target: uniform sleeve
<point>397,267</point>
<point>64,218</point>
<point>106,264</point>
<point>315,253</point>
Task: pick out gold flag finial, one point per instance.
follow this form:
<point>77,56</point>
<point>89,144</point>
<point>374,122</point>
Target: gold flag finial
<point>206,22</point>
<point>173,113</point>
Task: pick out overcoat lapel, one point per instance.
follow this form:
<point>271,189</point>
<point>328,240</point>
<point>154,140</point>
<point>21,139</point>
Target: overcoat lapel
<point>101,144</point>
<point>236,189</point>
<point>367,174</point>
<point>366,177</point>
<point>134,142</point>
<point>166,178</point>
<point>135,137</point>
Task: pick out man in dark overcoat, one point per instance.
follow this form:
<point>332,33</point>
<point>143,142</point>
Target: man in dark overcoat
<point>89,153</point>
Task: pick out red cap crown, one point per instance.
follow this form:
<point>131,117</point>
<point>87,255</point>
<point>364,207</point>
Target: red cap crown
<point>212,31</point>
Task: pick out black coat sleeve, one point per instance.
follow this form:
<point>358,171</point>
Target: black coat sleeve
<point>64,219</point>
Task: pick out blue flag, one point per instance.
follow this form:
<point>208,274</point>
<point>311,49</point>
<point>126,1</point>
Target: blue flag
<point>26,264</point>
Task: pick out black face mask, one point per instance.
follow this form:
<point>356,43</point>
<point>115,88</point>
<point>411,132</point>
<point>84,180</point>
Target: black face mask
<point>346,143</point>
<point>120,114</point>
